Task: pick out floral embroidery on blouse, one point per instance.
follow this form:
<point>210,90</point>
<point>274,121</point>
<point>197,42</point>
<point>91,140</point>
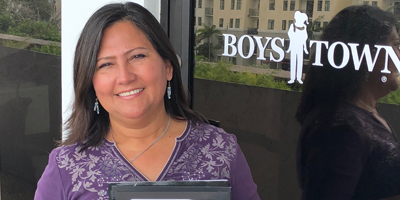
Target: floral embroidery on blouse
<point>206,152</point>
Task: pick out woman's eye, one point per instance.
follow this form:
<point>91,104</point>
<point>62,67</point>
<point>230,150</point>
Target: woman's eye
<point>104,65</point>
<point>137,56</point>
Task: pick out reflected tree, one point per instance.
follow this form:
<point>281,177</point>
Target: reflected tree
<point>206,33</point>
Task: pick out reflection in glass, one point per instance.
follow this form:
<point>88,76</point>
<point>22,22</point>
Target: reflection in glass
<point>30,117</point>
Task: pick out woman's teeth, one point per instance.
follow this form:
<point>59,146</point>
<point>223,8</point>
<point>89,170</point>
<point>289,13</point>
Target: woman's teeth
<point>130,93</point>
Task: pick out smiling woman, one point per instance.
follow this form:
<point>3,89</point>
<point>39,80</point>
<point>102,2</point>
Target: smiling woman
<point>141,128</point>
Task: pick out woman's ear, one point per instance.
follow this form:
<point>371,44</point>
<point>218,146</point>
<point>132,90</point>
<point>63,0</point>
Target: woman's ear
<point>170,70</point>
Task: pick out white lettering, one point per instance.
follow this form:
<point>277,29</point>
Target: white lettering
<point>346,55</point>
<point>251,46</point>
<point>277,49</point>
<point>230,41</point>
<point>318,45</point>
<point>261,47</point>
<point>367,53</point>
<point>389,53</point>
<point>231,44</point>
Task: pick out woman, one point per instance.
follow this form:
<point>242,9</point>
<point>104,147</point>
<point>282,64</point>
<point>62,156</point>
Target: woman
<point>142,128</point>
<point>346,149</point>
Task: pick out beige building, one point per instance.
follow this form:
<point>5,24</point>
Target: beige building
<point>271,18</point>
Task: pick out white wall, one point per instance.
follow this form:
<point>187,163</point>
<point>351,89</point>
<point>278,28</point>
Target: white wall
<point>74,14</point>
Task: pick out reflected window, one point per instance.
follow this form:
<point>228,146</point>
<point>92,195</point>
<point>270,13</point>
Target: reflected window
<point>271,4</point>
<point>287,43</point>
<point>283,25</point>
<point>327,5</point>
<point>230,23</point>
<point>365,2</point>
<point>200,3</point>
<point>221,22</point>
<point>232,4</point>
<point>292,5</point>
<point>199,21</point>
<point>232,60</point>
<point>325,24</point>
<point>220,40</point>
<point>317,26</point>
<point>290,22</point>
<point>237,23</point>
<point>374,3</point>
<point>319,7</point>
<point>270,24</point>
<point>239,5</point>
<point>285,5</point>
<point>221,4</point>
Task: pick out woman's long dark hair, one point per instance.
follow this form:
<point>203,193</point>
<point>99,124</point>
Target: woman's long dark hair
<point>84,124</point>
<point>326,87</point>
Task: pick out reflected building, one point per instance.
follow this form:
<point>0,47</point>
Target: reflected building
<point>270,18</point>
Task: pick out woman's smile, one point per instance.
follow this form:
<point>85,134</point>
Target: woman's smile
<point>130,93</point>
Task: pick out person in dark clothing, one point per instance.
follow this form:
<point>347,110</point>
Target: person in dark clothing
<point>346,150</point>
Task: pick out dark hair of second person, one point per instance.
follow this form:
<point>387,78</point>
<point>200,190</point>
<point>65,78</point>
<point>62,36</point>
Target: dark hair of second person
<point>346,150</point>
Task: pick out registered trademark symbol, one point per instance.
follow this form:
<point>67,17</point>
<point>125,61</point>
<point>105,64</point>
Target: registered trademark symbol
<point>384,79</point>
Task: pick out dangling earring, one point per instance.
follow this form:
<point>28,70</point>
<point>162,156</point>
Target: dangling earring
<point>169,90</point>
<point>96,106</point>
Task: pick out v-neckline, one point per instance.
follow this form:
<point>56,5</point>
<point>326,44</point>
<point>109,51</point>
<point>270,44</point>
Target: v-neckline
<point>167,165</point>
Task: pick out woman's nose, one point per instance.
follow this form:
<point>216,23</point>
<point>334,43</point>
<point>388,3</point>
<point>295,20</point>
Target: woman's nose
<point>125,74</point>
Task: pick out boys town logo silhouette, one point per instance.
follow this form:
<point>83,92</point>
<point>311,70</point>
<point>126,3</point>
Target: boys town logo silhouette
<point>298,46</point>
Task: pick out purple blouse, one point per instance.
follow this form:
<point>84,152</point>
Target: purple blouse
<point>202,152</point>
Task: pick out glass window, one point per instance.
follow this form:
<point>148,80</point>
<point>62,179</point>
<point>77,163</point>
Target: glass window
<point>292,5</point>
<point>232,60</point>
<point>271,4</point>
<point>200,3</point>
<point>365,2</point>
<point>232,4</point>
<point>327,5</point>
<point>256,63</point>
<point>325,24</point>
<point>283,25</point>
<point>287,44</point>
<point>317,26</point>
<point>221,4</point>
<point>239,5</point>
<point>220,40</point>
<point>270,24</point>
<point>199,21</point>
<point>285,5</point>
<point>237,23</point>
<point>319,8</point>
<point>290,22</point>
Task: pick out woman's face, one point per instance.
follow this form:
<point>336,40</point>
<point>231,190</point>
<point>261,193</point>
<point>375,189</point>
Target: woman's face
<point>130,78</point>
<point>392,81</point>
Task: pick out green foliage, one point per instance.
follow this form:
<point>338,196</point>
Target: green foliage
<point>206,50</point>
<point>221,72</point>
<point>14,44</point>
<point>35,29</point>
<point>48,49</point>
<point>392,98</point>
<point>5,23</point>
